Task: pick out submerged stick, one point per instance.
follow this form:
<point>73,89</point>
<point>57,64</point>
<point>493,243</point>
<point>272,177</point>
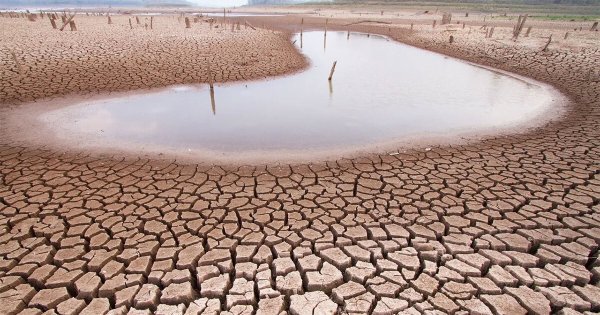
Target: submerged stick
<point>332,71</point>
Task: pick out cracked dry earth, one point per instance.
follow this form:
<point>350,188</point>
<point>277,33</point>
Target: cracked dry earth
<point>510,225</point>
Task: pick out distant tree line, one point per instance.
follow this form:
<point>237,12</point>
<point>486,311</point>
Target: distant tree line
<point>29,3</point>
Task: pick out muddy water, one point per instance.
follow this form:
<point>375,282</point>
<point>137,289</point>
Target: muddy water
<point>381,91</point>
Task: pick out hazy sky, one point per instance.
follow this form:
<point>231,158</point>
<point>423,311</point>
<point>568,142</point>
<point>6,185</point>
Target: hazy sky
<point>219,3</point>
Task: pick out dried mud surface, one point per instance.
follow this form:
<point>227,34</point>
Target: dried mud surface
<point>510,225</point>
<point>100,57</point>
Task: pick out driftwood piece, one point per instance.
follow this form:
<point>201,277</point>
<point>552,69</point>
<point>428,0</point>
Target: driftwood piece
<point>249,25</point>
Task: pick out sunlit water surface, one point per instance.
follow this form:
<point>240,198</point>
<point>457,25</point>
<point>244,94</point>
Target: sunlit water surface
<point>381,91</point>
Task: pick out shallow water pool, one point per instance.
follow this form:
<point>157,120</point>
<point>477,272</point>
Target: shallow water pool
<point>382,91</point>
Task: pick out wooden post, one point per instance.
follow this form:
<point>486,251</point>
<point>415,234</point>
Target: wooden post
<point>594,26</point>
<point>528,31</point>
<point>151,21</point>
<point>519,27</point>
<point>130,24</point>
<point>411,26</point>
<point>332,71</point>
<point>187,22</point>
<point>73,26</point>
<point>548,43</point>
<point>109,20</point>
<point>17,63</point>
<point>434,22</point>
<point>137,20</point>
<point>53,23</point>
<point>67,22</point>
<point>451,39</point>
<point>566,35</point>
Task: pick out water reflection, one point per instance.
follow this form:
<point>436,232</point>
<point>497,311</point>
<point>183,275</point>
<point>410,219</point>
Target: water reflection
<point>212,101</point>
<point>383,90</point>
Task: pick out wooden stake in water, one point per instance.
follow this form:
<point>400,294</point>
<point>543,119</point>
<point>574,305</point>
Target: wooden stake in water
<point>213,106</point>
<point>332,71</point>
<point>151,21</point>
